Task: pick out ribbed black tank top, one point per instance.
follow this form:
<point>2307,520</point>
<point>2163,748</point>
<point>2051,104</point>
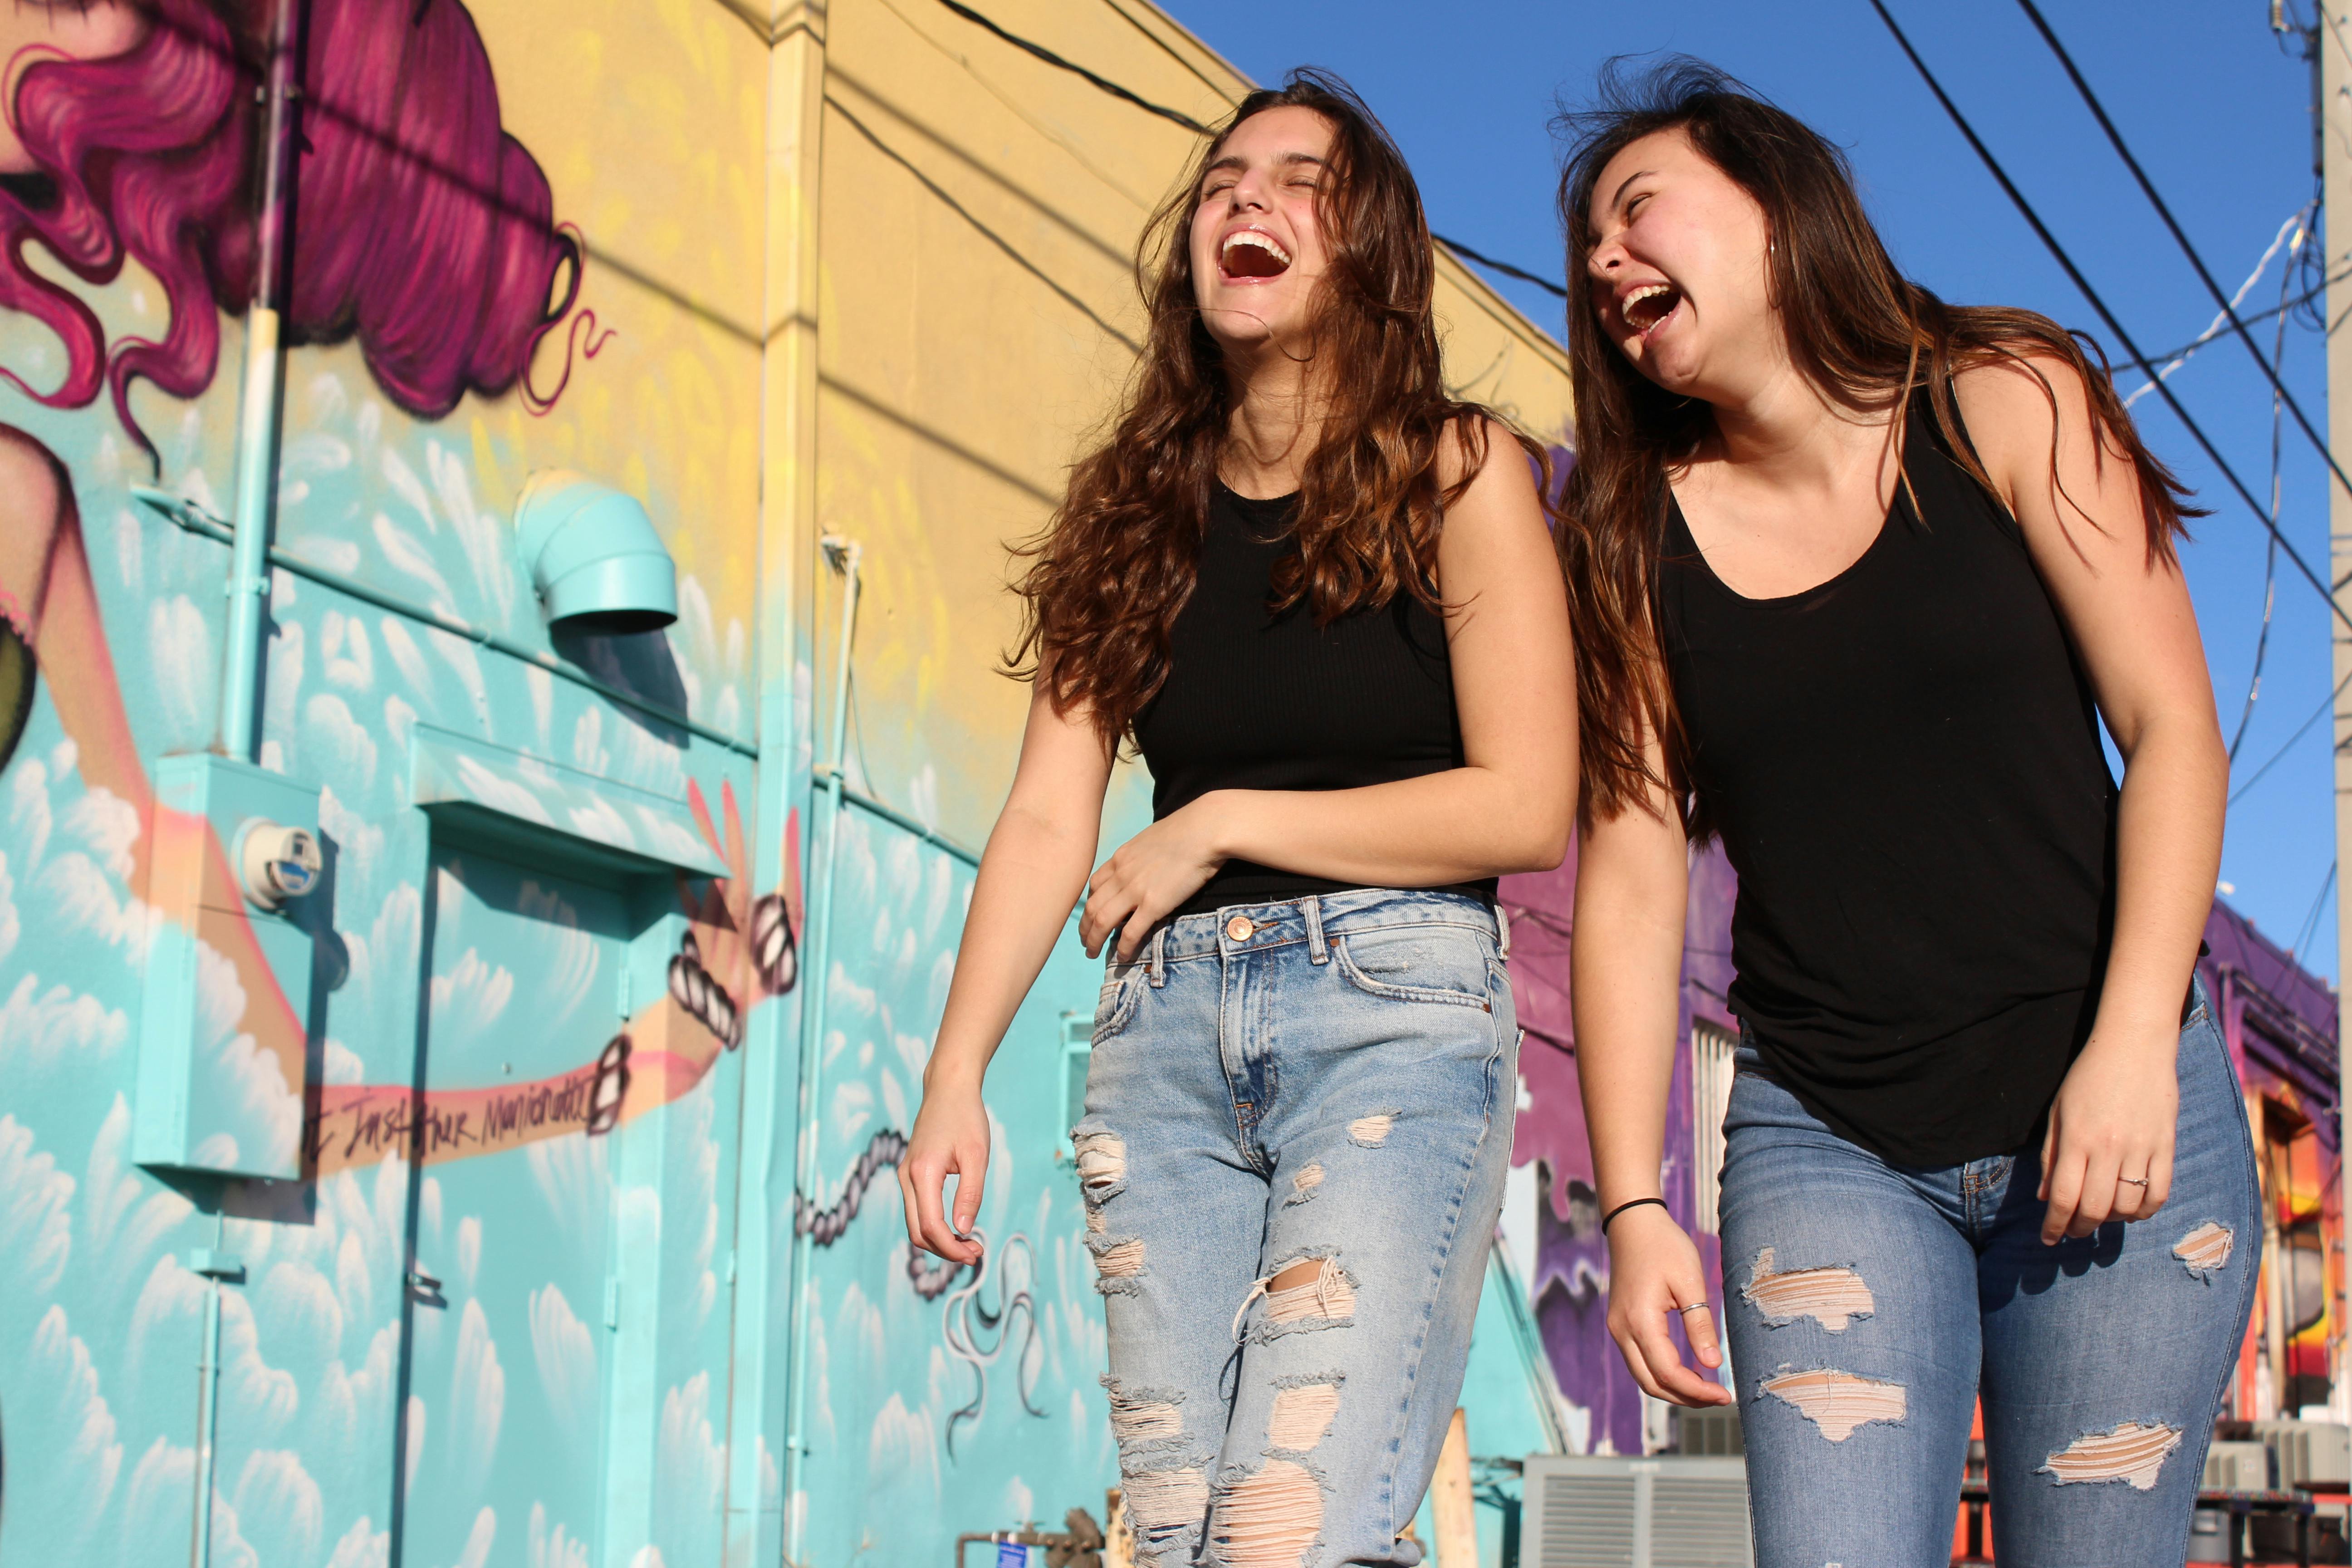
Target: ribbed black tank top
<point>1259,701</point>
<point>1904,763</point>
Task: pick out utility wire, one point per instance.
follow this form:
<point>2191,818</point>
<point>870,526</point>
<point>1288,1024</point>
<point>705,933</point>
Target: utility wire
<point>2270,556</point>
<point>1177,116</point>
<point>2180,357</point>
<point>1503,267</point>
<point>1050,57</point>
<point>2218,327</point>
<point>2147,187</point>
<point>2074,274</point>
<point>2310,926</point>
<point>2316,715</point>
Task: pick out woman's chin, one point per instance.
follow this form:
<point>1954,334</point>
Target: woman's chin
<point>1670,370</point>
<point>1242,327</point>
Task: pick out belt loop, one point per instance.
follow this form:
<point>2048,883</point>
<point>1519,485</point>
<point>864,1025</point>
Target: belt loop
<point>1502,924</point>
<point>1160,959</point>
<point>1317,952</point>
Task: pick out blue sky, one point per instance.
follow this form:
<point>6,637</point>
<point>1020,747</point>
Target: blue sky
<point>2217,111</point>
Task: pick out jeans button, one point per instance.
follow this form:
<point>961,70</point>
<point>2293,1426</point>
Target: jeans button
<point>1240,927</point>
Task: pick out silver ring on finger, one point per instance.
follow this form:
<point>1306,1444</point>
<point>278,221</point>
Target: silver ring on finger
<point>1694,1307</point>
<point>2140,1182</point>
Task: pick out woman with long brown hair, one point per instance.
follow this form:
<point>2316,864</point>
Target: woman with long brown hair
<point>1315,592</point>
<point>1857,575</point>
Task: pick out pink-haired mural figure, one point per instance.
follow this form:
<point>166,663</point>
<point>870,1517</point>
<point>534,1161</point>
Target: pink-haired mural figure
<point>421,227</point>
<point>422,230</point>
<point>424,235</point>
<point>496,1318</point>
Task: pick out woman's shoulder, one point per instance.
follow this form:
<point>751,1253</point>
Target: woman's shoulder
<point>1477,450</point>
<point>2007,399</point>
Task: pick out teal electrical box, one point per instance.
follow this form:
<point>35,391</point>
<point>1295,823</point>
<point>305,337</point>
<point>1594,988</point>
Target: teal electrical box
<point>224,1039</point>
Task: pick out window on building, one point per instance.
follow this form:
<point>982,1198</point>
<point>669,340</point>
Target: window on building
<point>1711,1048</point>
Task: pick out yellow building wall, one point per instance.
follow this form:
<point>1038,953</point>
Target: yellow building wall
<point>979,218</point>
<point>577,1237</point>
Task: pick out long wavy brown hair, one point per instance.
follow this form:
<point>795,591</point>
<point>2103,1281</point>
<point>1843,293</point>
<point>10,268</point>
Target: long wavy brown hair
<point>1860,331</point>
<point>1108,576</point>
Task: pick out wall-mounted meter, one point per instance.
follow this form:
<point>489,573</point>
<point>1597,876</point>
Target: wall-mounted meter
<point>236,855</point>
<point>275,862</point>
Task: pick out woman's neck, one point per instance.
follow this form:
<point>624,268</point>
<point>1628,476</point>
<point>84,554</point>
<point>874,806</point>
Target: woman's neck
<point>1787,433</point>
<point>1278,419</point>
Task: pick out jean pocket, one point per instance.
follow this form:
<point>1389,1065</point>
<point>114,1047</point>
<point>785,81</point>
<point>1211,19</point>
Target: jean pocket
<point>1115,1005</point>
<point>1419,964</point>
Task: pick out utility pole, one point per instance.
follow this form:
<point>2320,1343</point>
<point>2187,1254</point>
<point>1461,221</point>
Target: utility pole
<point>2331,41</point>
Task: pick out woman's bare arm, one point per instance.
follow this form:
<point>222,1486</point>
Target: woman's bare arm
<point>1633,887</point>
<point>2132,621</point>
<point>1031,874</point>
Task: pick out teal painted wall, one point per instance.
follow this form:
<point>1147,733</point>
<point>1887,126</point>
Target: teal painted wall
<point>530,1059</point>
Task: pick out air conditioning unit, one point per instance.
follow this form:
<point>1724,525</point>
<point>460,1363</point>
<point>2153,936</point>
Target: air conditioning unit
<point>1670,1510</point>
<point>2313,1454</point>
<point>1711,1432</point>
<point>2237,1468</point>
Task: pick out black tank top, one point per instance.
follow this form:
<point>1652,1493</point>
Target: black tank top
<point>1904,765</point>
<point>1259,700</point>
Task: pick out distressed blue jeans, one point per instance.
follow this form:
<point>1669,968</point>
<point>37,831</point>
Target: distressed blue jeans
<point>1870,1304</point>
<point>1298,1117</point>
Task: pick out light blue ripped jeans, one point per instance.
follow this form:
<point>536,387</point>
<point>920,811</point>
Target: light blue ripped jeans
<point>1322,1089</point>
<point>1869,1304</point>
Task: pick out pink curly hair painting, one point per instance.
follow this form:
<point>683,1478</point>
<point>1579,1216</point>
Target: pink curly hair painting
<point>419,225</point>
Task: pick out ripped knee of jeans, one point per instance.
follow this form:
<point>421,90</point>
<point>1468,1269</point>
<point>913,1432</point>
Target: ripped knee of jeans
<point>1310,1292</point>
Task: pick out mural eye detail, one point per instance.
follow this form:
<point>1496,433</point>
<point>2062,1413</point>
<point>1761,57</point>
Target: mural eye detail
<point>772,949</point>
<point>704,999</point>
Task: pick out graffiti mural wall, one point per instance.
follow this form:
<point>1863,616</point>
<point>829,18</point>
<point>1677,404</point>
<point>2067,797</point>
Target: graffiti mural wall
<point>523,1192</point>
<point>1553,1215</point>
<point>2280,1021</point>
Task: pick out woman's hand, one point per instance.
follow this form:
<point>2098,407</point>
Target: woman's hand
<point>950,1138</point>
<point>1153,873</point>
<point>1654,1276</point>
<point>2110,1128</point>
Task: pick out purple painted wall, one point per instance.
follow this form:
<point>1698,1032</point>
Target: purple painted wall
<point>1570,1277</point>
<point>2280,1021</point>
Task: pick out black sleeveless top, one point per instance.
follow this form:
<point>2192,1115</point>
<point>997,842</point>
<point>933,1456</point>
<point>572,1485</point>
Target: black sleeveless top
<point>1259,701</point>
<point>1904,763</point>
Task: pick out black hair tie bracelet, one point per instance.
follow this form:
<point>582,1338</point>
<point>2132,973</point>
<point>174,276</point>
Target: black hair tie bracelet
<point>1620,1208</point>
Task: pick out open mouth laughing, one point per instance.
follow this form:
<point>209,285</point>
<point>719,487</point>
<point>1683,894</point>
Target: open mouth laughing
<point>1648,307</point>
<point>1252,253</point>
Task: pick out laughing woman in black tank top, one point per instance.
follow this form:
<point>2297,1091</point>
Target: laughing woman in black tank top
<point>1317,593</point>
<point>1857,575</point>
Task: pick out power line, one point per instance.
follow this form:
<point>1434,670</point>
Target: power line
<point>1029,47</point>
<point>2293,227</point>
<point>2201,339</point>
<point>2147,187</point>
<point>2310,926</point>
<point>2074,274</point>
<point>1177,116</point>
<point>2301,730</point>
<point>2270,556</point>
<point>1503,267</point>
